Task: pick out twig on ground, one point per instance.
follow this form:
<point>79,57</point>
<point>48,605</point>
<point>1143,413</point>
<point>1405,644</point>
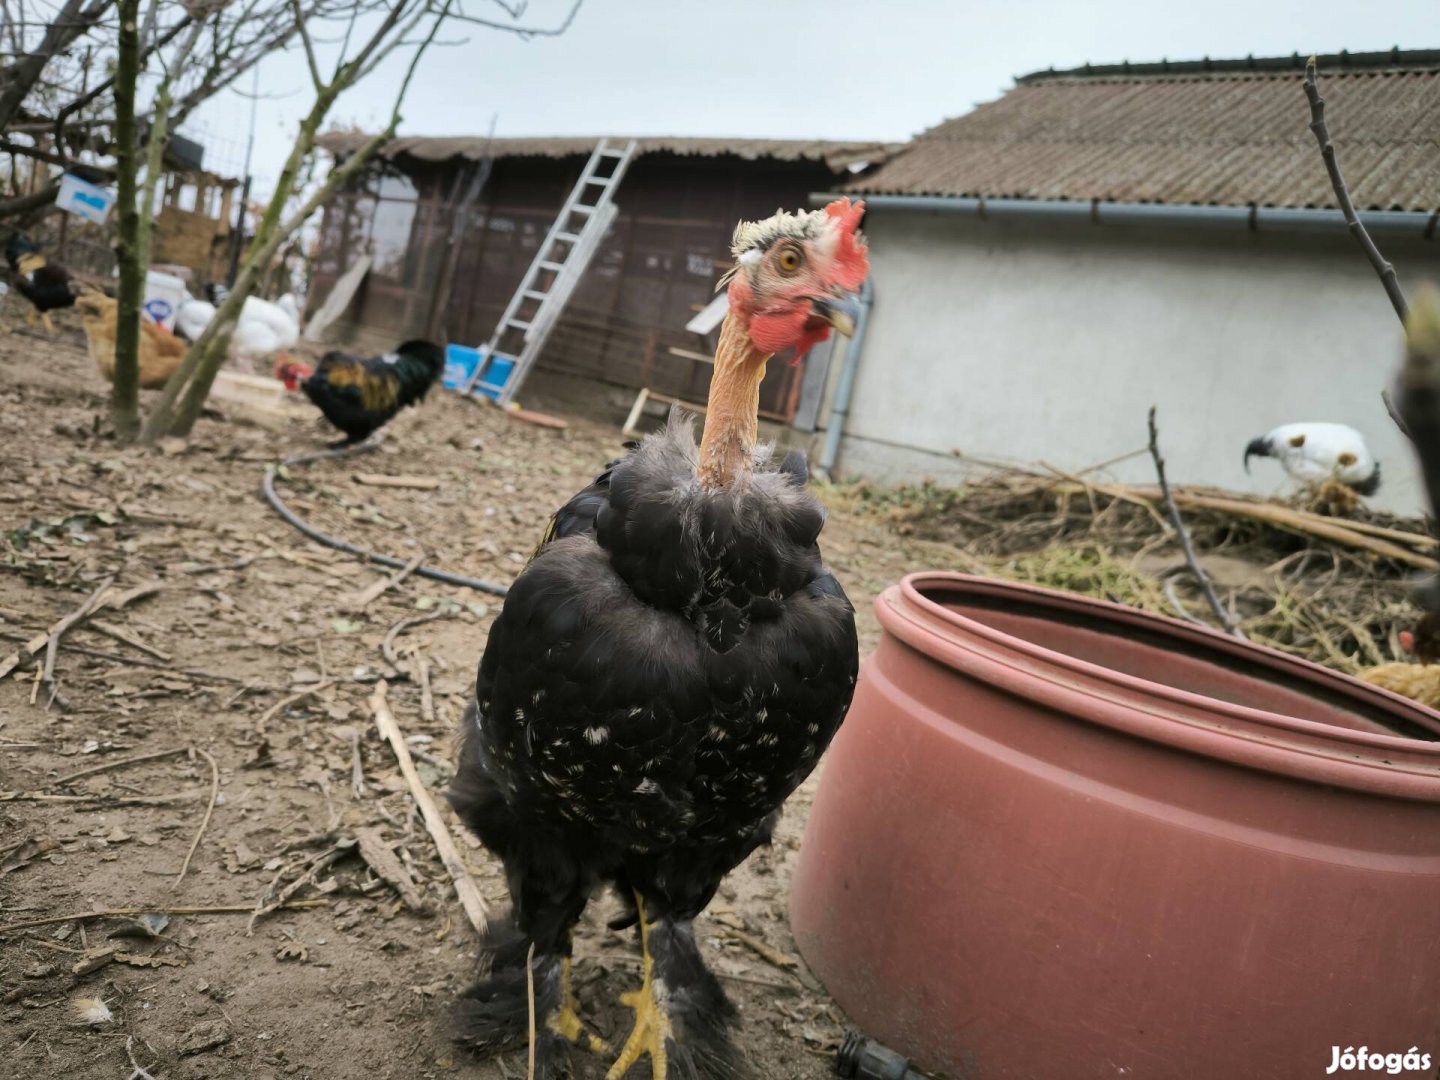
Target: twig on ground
<point>382,860</point>
<point>42,641</point>
<point>204,821</point>
<point>465,887</point>
<point>119,633</point>
<point>139,1073</point>
<point>1174,511</point>
<point>119,763</point>
<point>762,949</point>
<point>233,698</point>
<point>387,646</point>
<point>318,865</point>
<point>106,800</point>
<point>427,696</point>
<point>357,767</point>
<point>301,695</point>
<point>135,661</point>
<point>375,589</point>
<point>131,912</point>
<point>414,483</point>
<point>214,568</point>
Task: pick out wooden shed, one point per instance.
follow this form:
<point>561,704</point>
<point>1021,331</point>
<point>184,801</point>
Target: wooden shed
<point>657,266</point>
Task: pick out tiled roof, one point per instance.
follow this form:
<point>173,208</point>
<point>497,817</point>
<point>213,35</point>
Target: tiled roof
<point>1206,132</point>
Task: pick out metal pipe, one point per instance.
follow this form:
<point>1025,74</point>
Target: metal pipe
<point>843,392</point>
<point>1420,224</point>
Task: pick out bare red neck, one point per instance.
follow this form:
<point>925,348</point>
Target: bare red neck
<point>732,419</point>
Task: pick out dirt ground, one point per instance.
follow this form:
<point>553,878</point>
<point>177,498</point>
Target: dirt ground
<point>248,614</point>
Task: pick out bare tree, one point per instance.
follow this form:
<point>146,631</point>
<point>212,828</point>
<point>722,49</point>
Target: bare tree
<point>125,395</point>
<point>184,396</point>
<point>19,78</point>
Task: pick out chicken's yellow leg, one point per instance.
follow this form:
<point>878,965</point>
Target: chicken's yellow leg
<point>29,316</point>
<point>652,1026</point>
<point>565,1021</point>
<point>49,323</point>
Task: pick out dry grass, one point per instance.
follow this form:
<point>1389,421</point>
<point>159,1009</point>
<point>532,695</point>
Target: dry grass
<point>1332,603</point>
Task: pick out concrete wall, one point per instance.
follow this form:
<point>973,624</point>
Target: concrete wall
<point>1023,342</point>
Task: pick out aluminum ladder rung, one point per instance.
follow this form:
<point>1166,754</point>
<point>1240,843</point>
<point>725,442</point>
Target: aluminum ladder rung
<point>582,247</point>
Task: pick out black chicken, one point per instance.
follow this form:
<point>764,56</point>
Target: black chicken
<point>361,394</point>
<point>47,285</point>
<point>664,673</point>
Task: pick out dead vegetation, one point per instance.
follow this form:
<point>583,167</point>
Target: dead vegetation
<point>1333,590</point>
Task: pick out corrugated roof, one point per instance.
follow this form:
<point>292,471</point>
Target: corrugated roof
<point>1234,135</point>
<point>838,155</point>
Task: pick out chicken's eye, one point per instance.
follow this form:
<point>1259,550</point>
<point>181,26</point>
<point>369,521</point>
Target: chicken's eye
<point>790,260</point>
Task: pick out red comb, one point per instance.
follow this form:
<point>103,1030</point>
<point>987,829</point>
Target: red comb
<point>852,262</point>
<point>1407,640</point>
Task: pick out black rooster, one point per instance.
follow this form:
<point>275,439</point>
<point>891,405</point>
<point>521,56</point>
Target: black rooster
<point>47,285</point>
<point>664,673</point>
<point>361,394</point>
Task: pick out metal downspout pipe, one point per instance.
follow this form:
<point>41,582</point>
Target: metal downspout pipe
<point>835,428</point>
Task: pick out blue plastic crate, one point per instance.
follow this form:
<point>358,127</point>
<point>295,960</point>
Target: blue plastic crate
<point>461,362</point>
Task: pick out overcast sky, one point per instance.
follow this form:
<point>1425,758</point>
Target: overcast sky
<point>844,69</point>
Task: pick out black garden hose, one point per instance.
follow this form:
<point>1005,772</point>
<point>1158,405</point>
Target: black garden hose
<point>434,573</point>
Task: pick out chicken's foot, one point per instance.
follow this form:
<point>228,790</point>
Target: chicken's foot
<point>652,1026</point>
<point>566,1021</point>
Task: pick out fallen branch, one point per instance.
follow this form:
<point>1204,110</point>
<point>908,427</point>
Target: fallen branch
<point>123,913</point>
<point>43,641</point>
<point>465,887</point>
<point>368,595</point>
<point>1174,511</point>
<point>205,821</point>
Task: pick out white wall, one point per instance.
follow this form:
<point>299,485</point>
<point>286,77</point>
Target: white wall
<point>1025,342</point>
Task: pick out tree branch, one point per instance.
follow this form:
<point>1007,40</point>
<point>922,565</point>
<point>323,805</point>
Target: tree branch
<point>1342,195</point>
<point>1174,511</point>
<point>523,32</point>
<point>309,46</point>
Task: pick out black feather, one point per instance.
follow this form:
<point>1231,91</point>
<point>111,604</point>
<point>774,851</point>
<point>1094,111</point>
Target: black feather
<point>664,673</point>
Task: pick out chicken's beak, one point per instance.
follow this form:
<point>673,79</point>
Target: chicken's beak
<point>1259,448</point>
<point>840,310</point>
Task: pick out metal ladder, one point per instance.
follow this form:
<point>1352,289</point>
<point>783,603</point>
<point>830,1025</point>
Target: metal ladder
<point>558,266</point>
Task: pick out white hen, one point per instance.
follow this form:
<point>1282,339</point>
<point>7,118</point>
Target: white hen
<point>264,328</point>
<point>1315,452</point>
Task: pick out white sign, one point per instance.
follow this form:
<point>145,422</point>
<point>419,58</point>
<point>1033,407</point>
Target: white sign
<point>84,199</point>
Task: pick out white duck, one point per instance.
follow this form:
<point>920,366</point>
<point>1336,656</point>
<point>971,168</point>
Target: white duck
<point>1312,453</point>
